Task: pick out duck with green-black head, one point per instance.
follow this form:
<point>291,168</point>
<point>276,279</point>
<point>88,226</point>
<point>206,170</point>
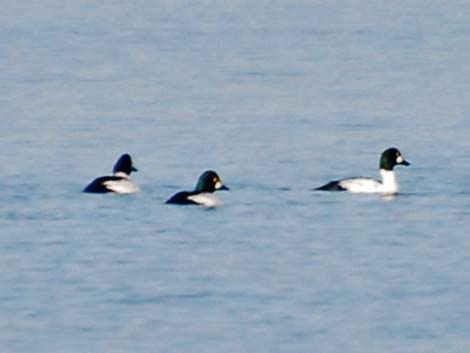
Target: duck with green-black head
<point>202,194</point>
<point>390,158</point>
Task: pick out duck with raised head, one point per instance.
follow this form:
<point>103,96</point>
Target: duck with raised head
<point>203,193</point>
<point>118,183</point>
<point>390,158</point>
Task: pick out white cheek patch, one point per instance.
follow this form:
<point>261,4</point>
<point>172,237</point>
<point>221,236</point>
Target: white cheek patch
<point>399,159</point>
<point>218,185</point>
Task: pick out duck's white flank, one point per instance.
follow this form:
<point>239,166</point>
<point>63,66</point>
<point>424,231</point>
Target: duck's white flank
<point>206,199</point>
<point>387,186</point>
<point>123,186</point>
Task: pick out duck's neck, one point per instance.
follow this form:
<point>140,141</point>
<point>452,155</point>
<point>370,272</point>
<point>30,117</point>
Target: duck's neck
<point>121,175</point>
<point>389,181</point>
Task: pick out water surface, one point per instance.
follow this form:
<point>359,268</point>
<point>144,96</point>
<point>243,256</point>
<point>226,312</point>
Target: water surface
<point>278,97</point>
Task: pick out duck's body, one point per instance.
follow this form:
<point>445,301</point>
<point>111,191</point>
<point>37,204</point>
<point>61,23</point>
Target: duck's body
<point>119,183</point>
<point>205,199</point>
<point>202,195</point>
<point>388,185</point>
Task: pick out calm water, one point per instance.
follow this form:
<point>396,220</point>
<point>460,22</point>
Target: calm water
<point>278,97</point>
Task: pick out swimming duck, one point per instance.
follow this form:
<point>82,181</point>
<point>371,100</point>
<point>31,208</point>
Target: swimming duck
<point>388,185</point>
<point>202,194</point>
<point>119,183</point>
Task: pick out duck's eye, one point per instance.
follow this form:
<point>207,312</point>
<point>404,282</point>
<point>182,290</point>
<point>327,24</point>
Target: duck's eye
<point>215,180</point>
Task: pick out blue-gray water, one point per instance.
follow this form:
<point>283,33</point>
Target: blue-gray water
<point>278,97</point>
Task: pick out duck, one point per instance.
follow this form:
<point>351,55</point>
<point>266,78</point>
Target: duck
<point>202,194</point>
<point>118,183</point>
<point>390,158</point>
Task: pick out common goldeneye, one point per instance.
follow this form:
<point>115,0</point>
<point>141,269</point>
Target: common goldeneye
<point>119,183</point>
<point>388,185</point>
<point>202,194</point>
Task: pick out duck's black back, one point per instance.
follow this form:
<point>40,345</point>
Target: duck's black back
<point>181,198</point>
<point>98,186</point>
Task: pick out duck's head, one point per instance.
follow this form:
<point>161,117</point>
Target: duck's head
<point>209,181</point>
<point>392,157</point>
<point>124,165</point>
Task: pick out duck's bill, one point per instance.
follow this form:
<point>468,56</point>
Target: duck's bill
<point>223,187</point>
<point>405,163</point>
<point>134,169</point>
